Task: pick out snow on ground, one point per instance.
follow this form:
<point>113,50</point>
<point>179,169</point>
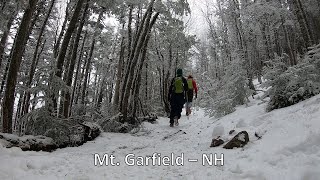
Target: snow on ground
<point>289,149</point>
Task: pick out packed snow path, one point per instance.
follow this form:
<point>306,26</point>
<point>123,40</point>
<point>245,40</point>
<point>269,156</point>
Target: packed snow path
<point>289,149</point>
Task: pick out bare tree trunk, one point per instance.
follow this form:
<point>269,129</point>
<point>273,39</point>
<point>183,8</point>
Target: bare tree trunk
<point>306,22</point>
<point>139,71</point>
<point>140,42</point>
<point>19,108</point>
<point>303,22</point>
<point>58,41</point>
<point>146,83</point>
<point>101,93</point>
<point>129,31</point>
<point>110,92</point>
<point>119,76</point>
<point>86,74</point>
<point>81,79</point>
<point>96,84</point>
<point>292,56</point>
<point>35,59</point>
<point>5,36</point>
<point>167,81</point>
<point>75,82</point>
<point>277,43</point>
<point>67,101</point>
<point>19,46</point>
<point>65,74</point>
<point>131,57</point>
<point>164,78</point>
<point>266,42</point>
<point>65,43</point>
<point>4,78</point>
<point>67,37</point>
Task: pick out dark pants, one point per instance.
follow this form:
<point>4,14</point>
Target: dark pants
<point>177,101</point>
<point>190,95</point>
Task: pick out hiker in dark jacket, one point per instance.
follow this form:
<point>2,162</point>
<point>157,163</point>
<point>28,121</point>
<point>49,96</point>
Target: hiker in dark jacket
<point>177,97</point>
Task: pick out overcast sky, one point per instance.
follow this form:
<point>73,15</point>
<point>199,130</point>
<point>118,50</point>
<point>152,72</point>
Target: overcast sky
<point>196,23</point>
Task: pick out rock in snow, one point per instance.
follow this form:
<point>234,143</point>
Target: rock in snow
<point>28,142</point>
<point>240,140</point>
<point>216,142</point>
<point>77,135</point>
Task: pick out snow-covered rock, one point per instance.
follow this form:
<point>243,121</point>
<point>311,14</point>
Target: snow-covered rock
<point>28,142</point>
<point>216,142</point>
<point>218,131</point>
<point>240,140</point>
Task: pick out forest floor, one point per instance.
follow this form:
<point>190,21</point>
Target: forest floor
<point>289,149</point>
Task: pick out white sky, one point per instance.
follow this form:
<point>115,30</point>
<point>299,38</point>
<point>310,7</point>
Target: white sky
<point>196,23</point>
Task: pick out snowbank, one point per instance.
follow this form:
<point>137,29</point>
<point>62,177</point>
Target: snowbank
<point>289,149</point>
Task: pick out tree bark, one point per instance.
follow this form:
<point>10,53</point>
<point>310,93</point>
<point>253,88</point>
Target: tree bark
<point>131,57</point>
<point>137,49</point>
<point>67,101</point>
<point>34,63</point>
<point>75,82</point>
<point>65,43</point>
<point>5,36</point>
<point>65,74</point>
<point>19,46</point>
<point>87,74</point>
<point>67,37</point>
<point>303,22</point>
<point>139,71</point>
<point>119,76</point>
<point>58,41</point>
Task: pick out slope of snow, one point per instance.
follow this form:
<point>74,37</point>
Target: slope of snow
<point>289,149</point>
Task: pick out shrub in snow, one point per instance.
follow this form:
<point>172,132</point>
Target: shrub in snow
<point>118,124</point>
<point>232,90</point>
<point>294,84</point>
<point>65,132</point>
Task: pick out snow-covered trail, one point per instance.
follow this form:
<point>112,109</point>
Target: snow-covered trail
<point>78,162</point>
<point>289,149</point>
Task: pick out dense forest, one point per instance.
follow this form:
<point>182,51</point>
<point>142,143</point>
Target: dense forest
<point>62,61</point>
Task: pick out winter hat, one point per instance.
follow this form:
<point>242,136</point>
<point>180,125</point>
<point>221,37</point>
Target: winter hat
<point>179,72</point>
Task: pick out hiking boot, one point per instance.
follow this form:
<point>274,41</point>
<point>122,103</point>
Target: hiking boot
<point>176,122</point>
<point>171,124</point>
<point>188,111</point>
